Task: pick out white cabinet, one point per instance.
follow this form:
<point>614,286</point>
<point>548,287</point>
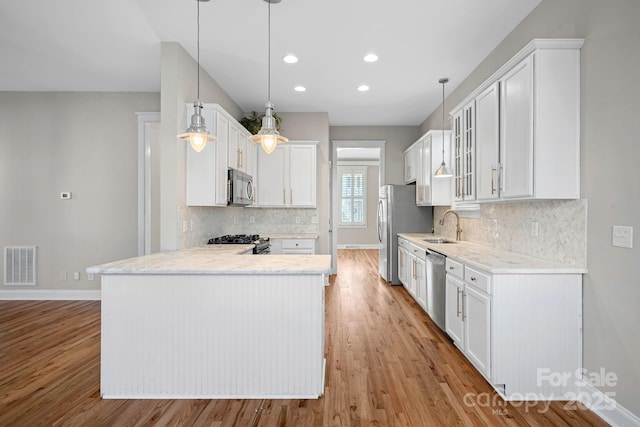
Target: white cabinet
<point>526,126</point>
<point>411,156</point>
<point>207,170</point>
<point>431,191</point>
<point>464,152</point>
<point>287,176</point>
<point>511,325</point>
<point>488,140</point>
<point>477,319</point>
<point>240,149</point>
<point>412,271</point>
<point>298,246</point>
<point>454,289</point>
<point>421,280</point>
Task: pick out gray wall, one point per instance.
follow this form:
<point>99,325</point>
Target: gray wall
<point>85,143</point>
<point>397,139</point>
<point>364,236</point>
<point>610,88</point>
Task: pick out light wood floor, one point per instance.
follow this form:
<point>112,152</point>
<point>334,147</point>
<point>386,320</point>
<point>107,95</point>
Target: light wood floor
<point>387,365</point>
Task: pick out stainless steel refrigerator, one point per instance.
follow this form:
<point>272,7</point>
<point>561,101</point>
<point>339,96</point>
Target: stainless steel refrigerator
<point>398,213</point>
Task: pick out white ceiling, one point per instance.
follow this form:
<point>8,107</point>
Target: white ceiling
<point>114,45</point>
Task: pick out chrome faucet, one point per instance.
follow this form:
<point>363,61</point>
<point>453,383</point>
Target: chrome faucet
<point>458,229</point>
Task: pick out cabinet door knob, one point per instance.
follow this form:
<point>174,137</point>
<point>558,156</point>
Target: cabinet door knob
<point>473,278</point>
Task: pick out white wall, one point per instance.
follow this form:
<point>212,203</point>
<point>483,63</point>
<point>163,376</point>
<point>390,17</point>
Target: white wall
<point>84,143</point>
<point>610,88</point>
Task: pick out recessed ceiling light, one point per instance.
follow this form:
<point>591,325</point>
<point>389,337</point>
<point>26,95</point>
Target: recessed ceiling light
<point>370,57</point>
<point>363,88</point>
<point>290,59</point>
<point>300,89</point>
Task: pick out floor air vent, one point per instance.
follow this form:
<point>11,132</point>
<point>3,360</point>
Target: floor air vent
<point>20,265</point>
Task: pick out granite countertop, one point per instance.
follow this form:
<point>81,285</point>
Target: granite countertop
<point>314,236</point>
<point>490,259</point>
<point>216,259</point>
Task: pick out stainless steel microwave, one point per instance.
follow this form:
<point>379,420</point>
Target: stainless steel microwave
<point>239,188</point>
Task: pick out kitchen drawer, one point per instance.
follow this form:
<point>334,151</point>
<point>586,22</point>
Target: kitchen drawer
<point>478,279</point>
<point>298,244</point>
<point>403,243</point>
<point>454,268</point>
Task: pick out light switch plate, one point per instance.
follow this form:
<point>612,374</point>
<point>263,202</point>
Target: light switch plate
<point>622,236</point>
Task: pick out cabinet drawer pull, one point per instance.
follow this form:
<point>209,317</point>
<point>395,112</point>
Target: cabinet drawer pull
<point>473,278</point>
<point>451,267</point>
<point>458,312</point>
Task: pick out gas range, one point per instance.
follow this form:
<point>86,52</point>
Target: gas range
<point>262,244</point>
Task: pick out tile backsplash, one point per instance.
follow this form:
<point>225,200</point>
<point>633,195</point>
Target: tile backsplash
<point>211,222</point>
<point>561,227</point>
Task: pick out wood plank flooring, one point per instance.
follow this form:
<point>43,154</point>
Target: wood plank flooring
<point>387,365</point>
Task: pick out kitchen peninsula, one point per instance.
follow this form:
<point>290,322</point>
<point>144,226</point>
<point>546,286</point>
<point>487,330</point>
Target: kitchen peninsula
<point>207,322</point>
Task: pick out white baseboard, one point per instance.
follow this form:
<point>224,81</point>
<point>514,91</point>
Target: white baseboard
<point>61,294</point>
<point>359,246</point>
<point>607,408</point>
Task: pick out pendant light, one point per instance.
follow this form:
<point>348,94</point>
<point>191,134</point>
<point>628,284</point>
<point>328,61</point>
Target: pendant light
<point>268,136</point>
<point>443,171</point>
<point>197,133</point>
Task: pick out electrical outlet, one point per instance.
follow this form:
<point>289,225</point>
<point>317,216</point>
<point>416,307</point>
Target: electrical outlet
<point>297,220</point>
<point>534,228</point>
<point>76,275</point>
<point>314,219</point>
<point>252,219</point>
<point>89,276</point>
<point>622,236</point>
<point>63,275</point>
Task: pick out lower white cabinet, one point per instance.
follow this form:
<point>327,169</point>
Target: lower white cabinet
<point>412,271</point>
<point>293,246</point>
<point>520,331</point>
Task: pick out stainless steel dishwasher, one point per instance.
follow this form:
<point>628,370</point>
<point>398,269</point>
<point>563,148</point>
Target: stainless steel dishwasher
<point>436,287</point>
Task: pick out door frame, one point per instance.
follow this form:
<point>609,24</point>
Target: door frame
<point>145,121</point>
<point>335,144</point>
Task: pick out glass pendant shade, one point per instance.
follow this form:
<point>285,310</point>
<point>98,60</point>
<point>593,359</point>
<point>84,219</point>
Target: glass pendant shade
<point>268,136</point>
<point>197,134</point>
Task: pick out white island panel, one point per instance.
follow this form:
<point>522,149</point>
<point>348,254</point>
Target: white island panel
<point>212,336</point>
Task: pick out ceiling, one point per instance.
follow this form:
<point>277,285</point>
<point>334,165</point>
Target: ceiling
<point>85,45</point>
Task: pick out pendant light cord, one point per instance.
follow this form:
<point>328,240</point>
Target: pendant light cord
<point>443,83</point>
<point>269,54</point>
<point>198,47</point>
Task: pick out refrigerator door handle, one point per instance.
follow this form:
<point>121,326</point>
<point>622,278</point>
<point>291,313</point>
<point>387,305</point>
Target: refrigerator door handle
<point>380,221</point>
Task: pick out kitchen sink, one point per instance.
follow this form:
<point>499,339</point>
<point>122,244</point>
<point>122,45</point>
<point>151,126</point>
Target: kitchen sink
<point>438,241</point>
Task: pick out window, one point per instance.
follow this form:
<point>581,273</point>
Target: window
<point>353,196</point>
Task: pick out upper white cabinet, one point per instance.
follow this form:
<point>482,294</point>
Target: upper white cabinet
<point>411,156</point>
<point>431,191</point>
<point>240,148</point>
<point>488,139</point>
<point>464,153</point>
<point>207,170</point>
<point>527,126</point>
<point>287,176</point>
